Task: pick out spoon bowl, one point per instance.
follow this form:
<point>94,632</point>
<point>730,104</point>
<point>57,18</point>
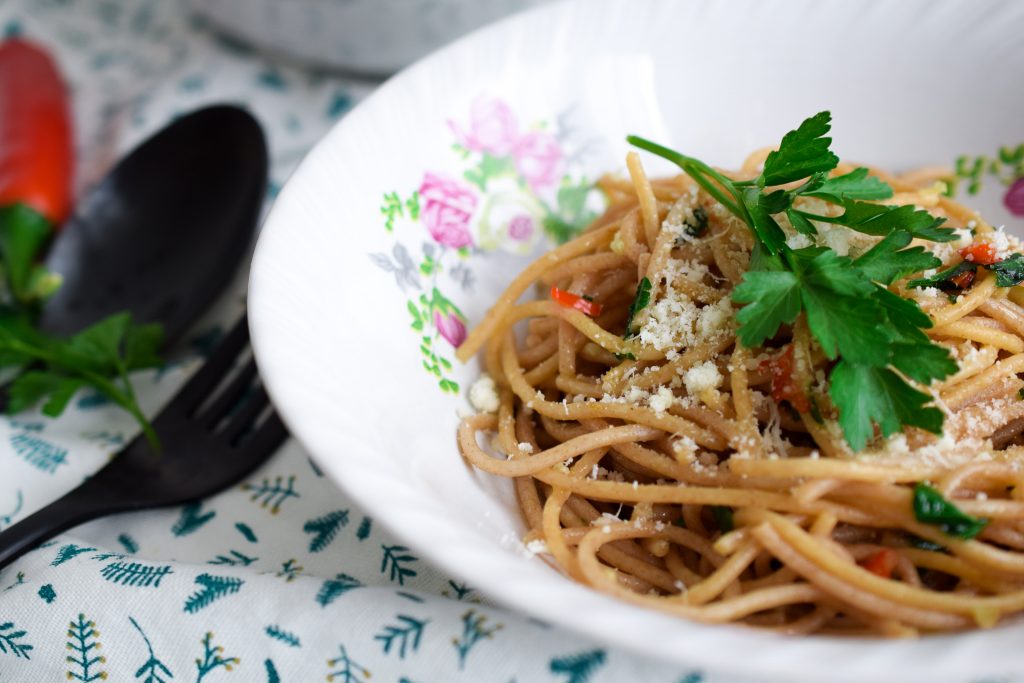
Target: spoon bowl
<point>162,233</point>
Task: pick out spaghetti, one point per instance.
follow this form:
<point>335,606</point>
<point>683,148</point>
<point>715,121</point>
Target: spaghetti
<point>661,461</point>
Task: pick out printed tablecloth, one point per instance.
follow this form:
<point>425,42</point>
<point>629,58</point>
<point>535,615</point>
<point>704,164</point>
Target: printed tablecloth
<point>282,578</point>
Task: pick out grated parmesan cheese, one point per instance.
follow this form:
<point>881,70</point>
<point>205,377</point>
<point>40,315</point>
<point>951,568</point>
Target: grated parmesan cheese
<point>702,377</point>
<point>674,321</point>
<point>684,448</point>
<point>662,400</point>
<point>838,239</point>
<point>679,215</point>
<point>948,251</point>
<point>715,318</point>
<point>483,395</point>
<point>537,546</point>
<point>1003,244</point>
<point>617,245</point>
<point>799,241</point>
<point>605,518</point>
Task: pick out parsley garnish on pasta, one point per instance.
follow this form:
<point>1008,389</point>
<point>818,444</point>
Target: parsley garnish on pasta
<point>850,314</point>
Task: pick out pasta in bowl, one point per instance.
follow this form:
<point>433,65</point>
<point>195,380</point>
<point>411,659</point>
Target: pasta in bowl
<point>787,396</point>
<point>407,222</point>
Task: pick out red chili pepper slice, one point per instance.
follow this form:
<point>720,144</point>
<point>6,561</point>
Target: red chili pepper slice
<point>570,300</point>
<point>882,563</point>
<point>784,387</point>
<point>982,253</point>
<point>963,280</point>
<point>35,132</point>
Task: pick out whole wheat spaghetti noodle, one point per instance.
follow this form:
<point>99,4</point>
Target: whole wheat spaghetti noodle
<point>672,468</point>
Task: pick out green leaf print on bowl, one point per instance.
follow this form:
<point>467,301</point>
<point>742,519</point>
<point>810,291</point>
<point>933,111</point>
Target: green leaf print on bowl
<point>1006,167</point>
<point>515,188</point>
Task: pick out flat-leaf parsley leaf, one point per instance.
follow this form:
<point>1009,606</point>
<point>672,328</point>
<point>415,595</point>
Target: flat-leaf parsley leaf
<point>875,336</point>
<point>930,507</point>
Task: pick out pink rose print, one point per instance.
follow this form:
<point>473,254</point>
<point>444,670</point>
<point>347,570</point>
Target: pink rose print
<point>1014,198</point>
<point>450,327</point>
<point>492,128</point>
<point>520,228</point>
<point>446,207</point>
<point>538,159</point>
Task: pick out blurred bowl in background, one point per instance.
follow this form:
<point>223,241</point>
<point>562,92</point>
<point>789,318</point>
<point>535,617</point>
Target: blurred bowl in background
<point>369,36</point>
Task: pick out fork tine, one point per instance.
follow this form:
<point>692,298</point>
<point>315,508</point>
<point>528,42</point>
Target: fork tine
<point>266,439</point>
<point>243,419</point>
<point>229,398</point>
<point>213,370</point>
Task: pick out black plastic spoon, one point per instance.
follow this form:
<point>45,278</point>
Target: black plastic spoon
<point>162,234</point>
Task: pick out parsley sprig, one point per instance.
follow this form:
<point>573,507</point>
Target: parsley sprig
<point>51,370</point>
<point>930,507</point>
<point>875,337</point>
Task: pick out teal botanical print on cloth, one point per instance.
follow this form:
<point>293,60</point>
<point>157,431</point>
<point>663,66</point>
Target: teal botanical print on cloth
<point>396,562</point>
<point>211,588</point>
<point>41,454</point>
<point>135,574</point>
<point>212,658</point>
<point>290,570</point>
<point>578,668</point>
<point>365,527</point>
<point>345,669</point>
<point>334,588</point>
<point>272,675</point>
<point>84,661</point>
<point>69,552</point>
<point>5,520</point>
<point>47,594</point>
<point>280,635</point>
<point>192,519</point>
<point>12,641</point>
<point>324,529</point>
<point>271,495</point>
<point>474,629</point>
<point>128,543</point>
<point>19,579</point>
<point>282,578</point>
<point>247,532</point>
<point>403,635</point>
<point>232,558</point>
<point>152,670</point>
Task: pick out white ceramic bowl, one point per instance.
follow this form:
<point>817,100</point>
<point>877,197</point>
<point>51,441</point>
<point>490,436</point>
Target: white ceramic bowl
<point>371,36</point>
<point>416,210</point>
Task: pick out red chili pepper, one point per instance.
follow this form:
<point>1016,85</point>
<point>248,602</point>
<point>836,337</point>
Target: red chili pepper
<point>35,162</point>
<point>35,132</point>
<point>882,563</point>
<point>784,388</point>
<point>570,300</point>
<point>963,280</point>
<point>982,253</point>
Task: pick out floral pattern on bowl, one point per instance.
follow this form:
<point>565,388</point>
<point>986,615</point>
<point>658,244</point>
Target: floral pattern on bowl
<point>1006,167</point>
<point>518,186</point>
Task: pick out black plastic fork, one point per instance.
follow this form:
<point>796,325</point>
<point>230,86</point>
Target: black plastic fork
<point>211,436</point>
